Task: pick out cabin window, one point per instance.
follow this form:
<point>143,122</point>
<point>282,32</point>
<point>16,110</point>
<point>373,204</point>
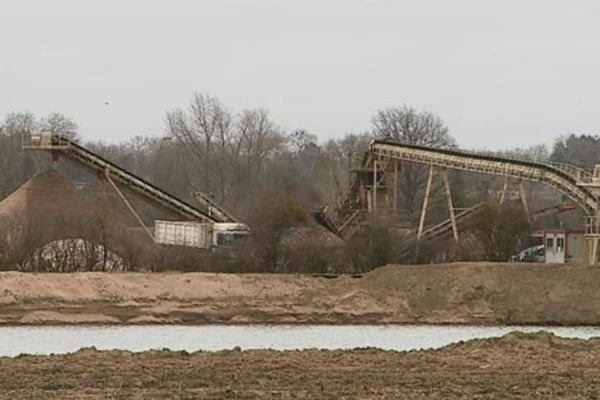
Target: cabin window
<point>560,245</point>
<point>550,244</point>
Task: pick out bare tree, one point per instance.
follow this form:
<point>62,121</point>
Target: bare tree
<point>581,150</point>
<point>537,152</point>
<point>16,165</point>
<point>60,124</point>
<point>410,126</point>
<point>300,139</point>
<point>406,124</point>
<point>257,137</point>
<point>205,131</point>
<point>339,158</point>
<point>229,150</point>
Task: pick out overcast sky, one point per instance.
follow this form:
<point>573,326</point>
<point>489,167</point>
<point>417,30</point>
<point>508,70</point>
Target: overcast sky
<point>501,73</point>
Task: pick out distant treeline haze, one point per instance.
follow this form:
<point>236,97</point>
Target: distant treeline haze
<point>269,177</point>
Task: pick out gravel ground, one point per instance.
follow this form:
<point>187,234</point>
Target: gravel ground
<point>517,366</point>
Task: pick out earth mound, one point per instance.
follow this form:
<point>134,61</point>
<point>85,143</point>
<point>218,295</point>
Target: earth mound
<point>48,193</point>
<point>49,208</point>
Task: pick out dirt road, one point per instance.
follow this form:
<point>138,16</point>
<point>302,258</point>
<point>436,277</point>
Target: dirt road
<point>516,366</point>
<point>462,293</point>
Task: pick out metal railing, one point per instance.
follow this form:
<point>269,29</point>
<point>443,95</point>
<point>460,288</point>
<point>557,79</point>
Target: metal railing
<point>446,225</point>
<point>44,141</point>
<point>592,226</point>
<point>580,174</point>
<point>213,209</point>
<point>561,181</point>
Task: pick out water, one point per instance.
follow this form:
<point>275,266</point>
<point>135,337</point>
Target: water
<point>66,339</point>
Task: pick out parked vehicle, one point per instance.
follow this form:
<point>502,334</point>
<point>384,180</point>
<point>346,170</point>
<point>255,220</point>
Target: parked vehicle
<point>530,254</point>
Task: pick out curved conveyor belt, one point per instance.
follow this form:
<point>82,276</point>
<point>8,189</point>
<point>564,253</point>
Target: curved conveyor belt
<point>480,163</point>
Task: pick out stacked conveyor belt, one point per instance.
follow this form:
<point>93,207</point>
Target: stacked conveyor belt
<point>445,227</point>
<point>323,218</point>
<point>213,209</point>
<point>550,175</point>
<point>441,231</point>
<point>91,160</point>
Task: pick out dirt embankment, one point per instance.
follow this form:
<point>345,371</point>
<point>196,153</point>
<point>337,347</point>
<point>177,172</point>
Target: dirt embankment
<point>517,366</point>
<point>462,293</point>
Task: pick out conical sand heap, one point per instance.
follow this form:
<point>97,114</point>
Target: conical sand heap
<point>48,192</point>
<point>49,207</point>
<point>46,207</point>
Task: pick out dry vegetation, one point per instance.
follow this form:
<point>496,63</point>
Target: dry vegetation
<point>268,177</point>
<point>48,225</point>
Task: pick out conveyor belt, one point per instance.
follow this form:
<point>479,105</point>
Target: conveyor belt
<point>445,227</point>
<point>551,175</point>
<point>91,160</point>
<point>213,209</point>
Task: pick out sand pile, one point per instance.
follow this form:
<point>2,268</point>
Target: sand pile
<point>49,207</point>
<point>465,293</point>
<point>46,207</point>
<point>48,194</point>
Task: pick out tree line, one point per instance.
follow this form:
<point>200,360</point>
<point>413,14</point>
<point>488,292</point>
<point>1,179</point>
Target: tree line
<point>271,178</point>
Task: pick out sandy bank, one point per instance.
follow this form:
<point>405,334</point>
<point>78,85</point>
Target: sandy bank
<point>461,293</point>
<point>516,366</point>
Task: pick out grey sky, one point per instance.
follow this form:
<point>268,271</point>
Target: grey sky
<point>501,73</point>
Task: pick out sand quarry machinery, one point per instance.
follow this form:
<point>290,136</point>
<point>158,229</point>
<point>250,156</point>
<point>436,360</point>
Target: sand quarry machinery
<point>373,192</point>
<point>207,227</point>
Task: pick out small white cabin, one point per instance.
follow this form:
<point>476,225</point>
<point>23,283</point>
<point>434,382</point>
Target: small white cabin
<point>564,247</point>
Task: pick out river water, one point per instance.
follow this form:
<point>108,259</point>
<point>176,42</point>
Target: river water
<point>66,339</point>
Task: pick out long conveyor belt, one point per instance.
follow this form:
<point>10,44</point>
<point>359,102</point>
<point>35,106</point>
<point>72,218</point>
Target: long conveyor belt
<point>463,216</point>
<point>89,159</point>
<point>563,181</point>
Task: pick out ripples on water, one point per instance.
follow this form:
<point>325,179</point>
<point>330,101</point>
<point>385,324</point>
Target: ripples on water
<point>66,339</point>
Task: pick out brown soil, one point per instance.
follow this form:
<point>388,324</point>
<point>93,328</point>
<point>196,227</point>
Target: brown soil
<point>48,193</point>
<point>50,198</point>
<point>49,207</point>
<point>517,366</point>
<point>46,207</point>
<point>460,293</point>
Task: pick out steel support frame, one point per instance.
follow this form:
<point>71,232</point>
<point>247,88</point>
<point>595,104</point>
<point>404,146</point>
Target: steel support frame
<point>129,205</point>
<point>57,143</point>
<point>425,206</point>
<point>522,196</point>
<point>380,168</point>
<point>495,166</point>
<point>592,237</point>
